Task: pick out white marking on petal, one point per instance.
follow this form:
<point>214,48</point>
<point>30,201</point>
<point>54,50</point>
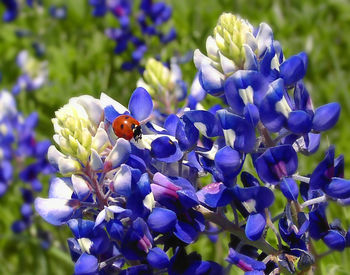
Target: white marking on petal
<point>283,107</point>
<point>201,128</point>
<point>210,154</point>
<point>250,205</point>
<point>149,201</point>
<point>85,244</point>
<point>230,137</point>
<point>247,95</point>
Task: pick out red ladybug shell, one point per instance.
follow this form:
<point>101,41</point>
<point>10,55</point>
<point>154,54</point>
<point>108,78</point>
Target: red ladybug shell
<point>125,126</point>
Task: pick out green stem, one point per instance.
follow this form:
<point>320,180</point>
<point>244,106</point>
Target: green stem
<point>235,230</point>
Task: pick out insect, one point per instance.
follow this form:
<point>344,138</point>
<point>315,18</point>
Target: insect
<point>127,127</point>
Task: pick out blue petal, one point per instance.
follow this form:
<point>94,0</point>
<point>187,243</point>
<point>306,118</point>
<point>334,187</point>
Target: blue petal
<point>110,113</point>
<point>312,142</point>
<point>86,265</point>
<point>259,197</point>
<point>334,240</point>
<point>265,63</point>
<point>318,223</point>
<point>248,179</point>
<point>228,162</point>
<point>271,117</point>
<point>211,80</point>
<point>237,94</point>
<point>338,188</point>
<point>239,133</point>
<point>162,220</point>
<point>289,189</point>
<point>164,149</point>
<point>299,122</point>
<point>251,114</point>
<point>185,232</point>
<point>238,259</point>
<point>171,124</point>
<point>326,116</point>
<point>140,104</point>
<point>255,226</point>
<point>115,229</point>
<point>54,211</point>
<point>137,163</point>
<point>205,122</point>
<point>81,228</point>
<point>324,171</point>
<point>215,195</point>
<point>276,163</point>
<point>157,258</point>
<point>293,69</point>
<point>186,133</point>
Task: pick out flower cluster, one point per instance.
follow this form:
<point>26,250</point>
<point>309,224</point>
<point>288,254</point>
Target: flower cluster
<point>34,73</point>
<point>149,20</point>
<point>134,188</point>
<point>12,9</point>
<point>21,156</point>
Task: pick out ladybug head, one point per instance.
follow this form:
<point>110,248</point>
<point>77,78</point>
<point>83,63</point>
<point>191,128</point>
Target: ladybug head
<point>137,132</point>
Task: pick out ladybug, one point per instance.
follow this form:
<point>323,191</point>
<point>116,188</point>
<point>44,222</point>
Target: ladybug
<point>127,127</point>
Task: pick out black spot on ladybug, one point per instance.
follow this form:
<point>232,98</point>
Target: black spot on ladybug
<point>121,126</point>
<point>127,117</point>
<point>133,126</point>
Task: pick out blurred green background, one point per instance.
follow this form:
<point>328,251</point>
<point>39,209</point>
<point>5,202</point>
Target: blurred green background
<point>81,61</point>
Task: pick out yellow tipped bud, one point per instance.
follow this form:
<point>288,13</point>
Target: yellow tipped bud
<point>231,33</point>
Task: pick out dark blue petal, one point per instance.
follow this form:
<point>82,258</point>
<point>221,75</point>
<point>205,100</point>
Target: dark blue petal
<point>115,229</point>
<point>318,223</point>
<point>245,87</point>
<point>164,149</point>
<point>239,133</point>
<point>258,197</point>
<point>299,122</point>
<point>228,162</point>
<point>324,171</point>
<point>81,228</point>
<point>215,195</point>
<point>140,104</point>
<point>186,133</point>
<point>185,232</point>
<point>248,179</point>
<point>289,189</point>
<point>272,117</point>
<point>244,262</point>
<point>326,116</point>
<point>255,226</point>
<point>293,69</point>
<point>162,220</point>
<point>334,240</point>
<point>338,188</point>
<point>276,163</point>
<point>157,258</point>
<point>205,122</point>
<point>251,113</point>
